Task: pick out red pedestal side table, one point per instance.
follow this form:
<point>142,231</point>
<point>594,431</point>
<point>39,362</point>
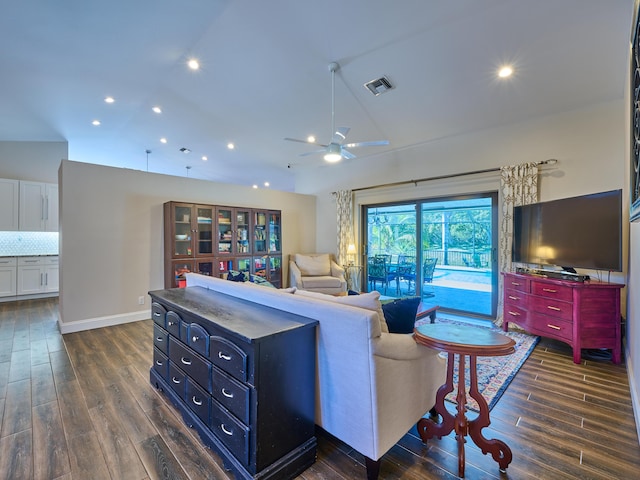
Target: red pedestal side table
<point>472,342</point>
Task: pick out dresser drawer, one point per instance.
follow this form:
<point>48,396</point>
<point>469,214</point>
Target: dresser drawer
<point>158,313</point>
<point>161,339</point>
<point>232,394</point>
<point>551,307</point>
<point>552,327</point>
<point>177,379</point>
<point>233,434</point>
<point>198,339</point>
<point>515,314</point>
<point>550,290</point>
<point>173,323</point>
<point>161,363</point>
<point>516,283</point>
<point>229,357</point>
<point>515,297</point>
<point>198,400</point>
<point>191,363</point>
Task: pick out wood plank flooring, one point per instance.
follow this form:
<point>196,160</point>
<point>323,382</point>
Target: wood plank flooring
<point>81,407</point>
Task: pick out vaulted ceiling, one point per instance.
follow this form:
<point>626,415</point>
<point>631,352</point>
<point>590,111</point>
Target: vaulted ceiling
<point>264,75</point>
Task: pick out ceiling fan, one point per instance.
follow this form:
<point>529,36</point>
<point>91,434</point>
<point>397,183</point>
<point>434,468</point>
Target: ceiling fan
<point>336,150</point>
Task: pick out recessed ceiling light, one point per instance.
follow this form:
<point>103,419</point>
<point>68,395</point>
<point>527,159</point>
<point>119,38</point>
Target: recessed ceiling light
<point>163,140</point>
<point>255,186</point>
<point>230,146</point>
<point>157,109</point>
<point>505,72</point>
<point>204,158</point>
<point>193,64</point>
<point>311,139</point>
<point>95,122</point>
<point>109,99</point>
<point>266,184</point>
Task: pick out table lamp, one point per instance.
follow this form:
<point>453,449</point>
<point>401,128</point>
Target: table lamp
<point>351,253</point>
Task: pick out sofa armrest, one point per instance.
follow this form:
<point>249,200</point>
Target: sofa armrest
<point>336,270</point>
<point>400,346</point>
<point>295,276</point>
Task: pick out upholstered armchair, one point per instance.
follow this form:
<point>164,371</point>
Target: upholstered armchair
<point>316,272</point>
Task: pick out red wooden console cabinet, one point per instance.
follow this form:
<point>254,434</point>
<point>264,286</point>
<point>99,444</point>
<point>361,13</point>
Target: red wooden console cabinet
<point>582,314</point>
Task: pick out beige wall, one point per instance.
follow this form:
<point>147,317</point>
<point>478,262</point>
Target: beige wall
<point>35,161</point>
<point>111,245</point>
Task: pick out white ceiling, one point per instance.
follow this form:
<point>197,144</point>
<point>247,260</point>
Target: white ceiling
<point>264,75</point>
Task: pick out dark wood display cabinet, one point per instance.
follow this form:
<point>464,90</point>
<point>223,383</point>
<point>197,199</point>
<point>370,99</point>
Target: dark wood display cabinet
<point>242,375</point>
<point>581,314</point>
<point>212,240</point>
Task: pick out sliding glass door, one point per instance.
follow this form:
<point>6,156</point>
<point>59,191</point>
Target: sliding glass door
<point>443,250</point>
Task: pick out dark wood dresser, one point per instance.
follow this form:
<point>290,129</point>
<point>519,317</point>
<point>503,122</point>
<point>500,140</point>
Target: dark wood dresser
<point>242,375</point>
<point>582,314</point>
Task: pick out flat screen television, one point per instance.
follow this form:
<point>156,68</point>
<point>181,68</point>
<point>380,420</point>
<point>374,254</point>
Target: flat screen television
<point>577,232</point>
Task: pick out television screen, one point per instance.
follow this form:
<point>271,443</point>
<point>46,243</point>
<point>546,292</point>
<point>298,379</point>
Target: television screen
<point>578,232</point>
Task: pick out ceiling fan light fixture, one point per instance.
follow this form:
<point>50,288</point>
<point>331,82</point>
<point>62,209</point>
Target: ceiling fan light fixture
<point>334,153</point>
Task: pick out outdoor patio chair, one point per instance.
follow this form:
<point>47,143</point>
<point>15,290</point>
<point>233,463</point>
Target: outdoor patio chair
<point>428,269</point>
<point>406,271</point>
<point>379,271</point>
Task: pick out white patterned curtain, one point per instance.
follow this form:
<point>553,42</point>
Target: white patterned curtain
<point>519,186</point>
<point>344,209</point>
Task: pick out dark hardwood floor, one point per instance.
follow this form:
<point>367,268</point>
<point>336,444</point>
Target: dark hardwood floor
<point>81,407</point>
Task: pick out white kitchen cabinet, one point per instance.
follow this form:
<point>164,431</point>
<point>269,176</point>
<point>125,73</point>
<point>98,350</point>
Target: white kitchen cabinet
<point>37,275</point>
<point>8,273</point>
<point>9,197</point>
<point>38,207</point>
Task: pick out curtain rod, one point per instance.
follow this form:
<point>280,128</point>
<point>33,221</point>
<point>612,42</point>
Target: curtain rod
<point>551,161</point>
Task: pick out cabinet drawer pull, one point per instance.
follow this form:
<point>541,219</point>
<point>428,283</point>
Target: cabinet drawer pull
<point>224,429</point>
<point>159,363</point>
<point>175,380</point>
<point>224,357</point>
<point>185,361</point>
<point>159,339</point>
<point>553,326</point>
<point>195,338</point>
<point>553,308</point>
<point>515,314</point>
<point>550,290</point>
<point>171,323</point>
<point>156,314</point>
<point>515,283</point>
<point>227,394</point>
<point>196,401</point>
<point>511,297</point>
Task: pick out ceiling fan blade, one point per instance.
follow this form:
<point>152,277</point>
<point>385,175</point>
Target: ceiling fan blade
<point>312,153</point>
<point>305,141</point>
<point>375,143</point>
<point>346,154</point>
<point>340,135</point>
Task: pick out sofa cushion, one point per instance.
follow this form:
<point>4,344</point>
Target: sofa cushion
<point>321,281</point>
<point>313,265</point>
<point>368,301</point>
<point>400,314</point>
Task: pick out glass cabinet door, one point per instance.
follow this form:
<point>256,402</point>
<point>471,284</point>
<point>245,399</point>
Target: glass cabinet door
<point>244,265</point>
<point>225,230</point>
<point>274,232</point>
<point>275,271</point>
<point>260,266</point>
<point>182,231</point>
<point>180,268</point>
<point>259,232</point>
<point>204,230</point>
<point>205,266</point>
<point>243,240</point>
<point>224,265</point>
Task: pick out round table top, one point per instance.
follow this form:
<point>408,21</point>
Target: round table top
<point>464,339</point>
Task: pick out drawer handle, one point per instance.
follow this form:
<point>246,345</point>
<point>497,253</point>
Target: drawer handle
<point>171,323</point>
<point>515,314</point>
<point>550,290</point>
<point>553,326</point>
<point>195,338</point>
<point>175,380</point>
<point>196,401</point>
<point>186,361</point>
<point>159,339</point>
<point>515,283</point>
<point>159,363</point>
<point>224,357</point>
<point>511,297</point>
<point>227,394</point>
<point>156,314</point>
<point>553,308</point>
<point>224,429</point>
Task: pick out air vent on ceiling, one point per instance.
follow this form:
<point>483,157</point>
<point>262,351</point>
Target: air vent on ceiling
<point>379,85</point>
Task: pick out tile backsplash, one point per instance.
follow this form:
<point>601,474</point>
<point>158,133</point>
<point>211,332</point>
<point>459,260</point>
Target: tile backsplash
<point>28,243</point>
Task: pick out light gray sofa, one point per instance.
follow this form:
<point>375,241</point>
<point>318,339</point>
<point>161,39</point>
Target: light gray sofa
<point>316,272</point>
<point>371,386</point>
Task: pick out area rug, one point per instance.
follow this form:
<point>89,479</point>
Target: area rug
<point>494,373</point>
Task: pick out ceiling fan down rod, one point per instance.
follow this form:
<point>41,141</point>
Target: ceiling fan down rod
<point>333,66</point>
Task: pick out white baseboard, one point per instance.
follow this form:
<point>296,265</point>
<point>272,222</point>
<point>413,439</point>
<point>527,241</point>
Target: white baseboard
<point>633,388</point>
<point>99,322</point>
